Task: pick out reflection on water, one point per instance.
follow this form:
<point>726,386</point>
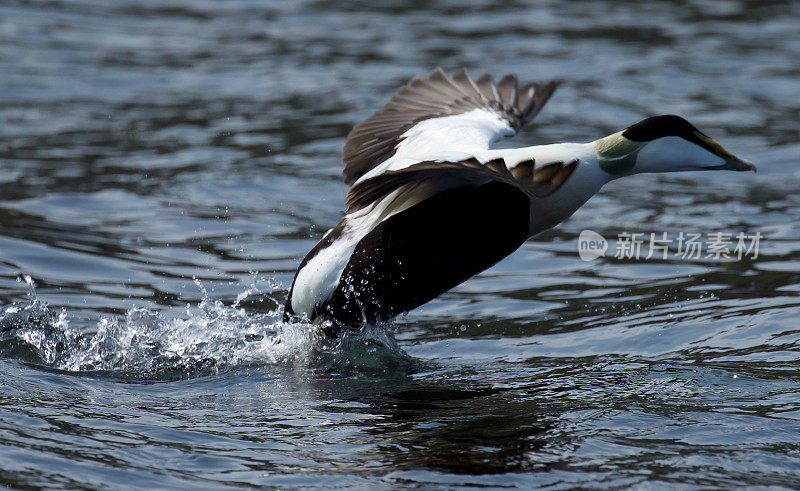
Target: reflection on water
<point>164,167</point>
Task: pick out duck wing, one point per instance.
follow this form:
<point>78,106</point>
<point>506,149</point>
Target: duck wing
<point>527,177</point>
<point>432,117</point>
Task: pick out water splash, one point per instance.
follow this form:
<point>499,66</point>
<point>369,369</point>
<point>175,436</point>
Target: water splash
<point>147,344</point>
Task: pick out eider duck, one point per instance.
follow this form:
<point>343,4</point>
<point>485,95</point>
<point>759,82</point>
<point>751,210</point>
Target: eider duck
<point>432,203</point>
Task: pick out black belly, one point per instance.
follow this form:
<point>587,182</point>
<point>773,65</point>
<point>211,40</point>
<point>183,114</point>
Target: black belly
<point>413,256</point>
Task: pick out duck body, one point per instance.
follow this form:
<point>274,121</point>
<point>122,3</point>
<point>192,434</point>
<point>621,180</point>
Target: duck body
<point>432,204</point>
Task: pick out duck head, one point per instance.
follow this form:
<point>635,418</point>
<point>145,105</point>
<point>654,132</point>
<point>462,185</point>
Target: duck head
<point>664,144</point>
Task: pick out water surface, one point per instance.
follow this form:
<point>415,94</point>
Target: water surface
<point>164,166</point>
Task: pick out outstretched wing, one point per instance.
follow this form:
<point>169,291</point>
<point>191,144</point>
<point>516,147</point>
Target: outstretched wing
<point>437,114</point>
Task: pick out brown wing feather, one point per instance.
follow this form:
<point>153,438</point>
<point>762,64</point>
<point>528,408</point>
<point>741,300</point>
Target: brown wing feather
<point>540,182</point>
<point>376,188</point>
<point>375,139</point>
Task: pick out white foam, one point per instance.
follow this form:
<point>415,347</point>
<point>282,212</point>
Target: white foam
<point>210,336</point>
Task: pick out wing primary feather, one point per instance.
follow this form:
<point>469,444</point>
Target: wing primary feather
<point>467,85</point>
<point>507,87</point>
<point>488,88</point>
<point>447,85</point>
<point>539,95</point>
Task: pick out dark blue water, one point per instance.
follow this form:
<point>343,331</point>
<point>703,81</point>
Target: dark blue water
<point>164,166</point>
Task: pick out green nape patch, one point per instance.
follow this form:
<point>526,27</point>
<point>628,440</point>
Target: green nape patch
<point>619,165</point>
<point>617,154</point>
